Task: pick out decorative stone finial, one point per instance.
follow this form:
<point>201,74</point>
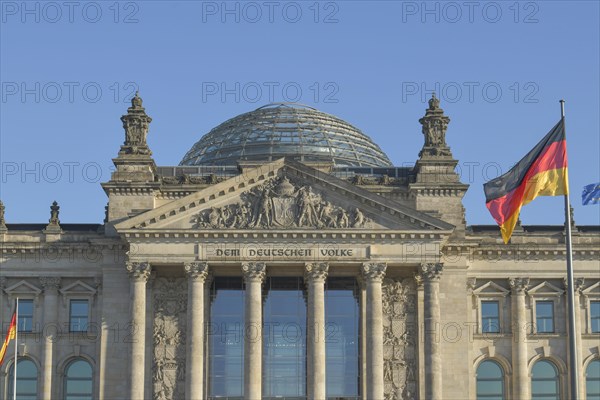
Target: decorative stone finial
<point>572,214</point>
<point>2,221</point>
<point>435,124</point>
<point>106,213</point>
<point>136,124</point>
<point>54,211</point>
<point>434,102</point>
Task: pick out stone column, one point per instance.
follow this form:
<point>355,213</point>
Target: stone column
<point>50,331</point>
<point>521,382</point>
<point>363,337</point>
<point>430,274</point>
<point>254,274</point>
<point>139,272</point>
<point>194,371</point>
<point>315,275</point>
<point>373,274</point>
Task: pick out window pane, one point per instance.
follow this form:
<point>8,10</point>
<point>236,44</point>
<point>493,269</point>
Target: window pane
<point>342,337</point>
<point>226,338</point>
<point>592,380</point>
<point>284,338</point>
<point>490,316</point>
<point>25,316</point>
<point>595,316</point>
<point>79,381</point>
<point>544,381</point>
<point>26,380</point>
<point>544,311</point>
<point>490,381</point>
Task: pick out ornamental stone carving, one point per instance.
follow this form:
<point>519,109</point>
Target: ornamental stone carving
<point>169,338</point>
<point>254,271</point>
<point>197,271</point>
<point>139,270</point>
<point>279,203</point>
<point>399,338</point>
<point>136,124</point>
<point>431,272</point>
<point>316,271</point>
<point>518,285</point>
<point>373,271</point>
<point>50,283</point>
<point>435,124</point>
<point>2,220</point>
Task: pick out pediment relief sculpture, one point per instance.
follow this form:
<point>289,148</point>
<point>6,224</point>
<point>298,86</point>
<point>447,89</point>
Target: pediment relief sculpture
<point>281,203</point>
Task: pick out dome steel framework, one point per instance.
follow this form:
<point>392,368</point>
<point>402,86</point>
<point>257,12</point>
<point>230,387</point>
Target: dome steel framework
<point>286,130</point>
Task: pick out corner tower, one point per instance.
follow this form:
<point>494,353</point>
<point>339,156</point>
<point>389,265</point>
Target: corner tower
<point>437,188</point>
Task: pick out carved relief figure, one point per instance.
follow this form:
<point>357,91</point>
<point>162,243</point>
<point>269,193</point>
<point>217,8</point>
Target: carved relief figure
<point>282,204</point>
<point>399,324</point>
<point>170,307</point>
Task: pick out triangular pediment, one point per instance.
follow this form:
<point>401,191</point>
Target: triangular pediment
<point>22,287</point>
<point>78,287</point>
<point>545,288</point>
<point>284,194</point>
<point>491,289</point>
<point>592,290</point>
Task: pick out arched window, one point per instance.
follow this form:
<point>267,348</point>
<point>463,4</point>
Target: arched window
<point>27,376</point>
<point>592,380</point>
<point>544,381</point>
<point>490,381</point>
<point>79,380</point>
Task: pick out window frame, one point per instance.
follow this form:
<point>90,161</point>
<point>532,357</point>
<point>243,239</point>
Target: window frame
<point>498,317</point>
<point>65,376</point>
<point>10,374</point>
<point>585,372</point>
<point>558,378</point>
<point>32,316</point>
<point>505,386</point>
<point>535,314</point>
<point>89,313</point>
<point>490,291</point>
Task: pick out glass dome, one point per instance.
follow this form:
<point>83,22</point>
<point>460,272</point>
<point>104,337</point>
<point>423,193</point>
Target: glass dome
<point>286,130</point>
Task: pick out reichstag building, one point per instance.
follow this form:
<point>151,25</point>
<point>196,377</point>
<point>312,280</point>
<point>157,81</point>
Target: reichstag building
<point>286,257</point>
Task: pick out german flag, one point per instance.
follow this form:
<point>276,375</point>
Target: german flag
<point>542,172</point>
<point>10,335</point>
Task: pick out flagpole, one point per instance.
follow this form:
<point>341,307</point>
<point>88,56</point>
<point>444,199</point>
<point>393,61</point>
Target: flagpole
<point>16,350</point>
<point>574,365</point>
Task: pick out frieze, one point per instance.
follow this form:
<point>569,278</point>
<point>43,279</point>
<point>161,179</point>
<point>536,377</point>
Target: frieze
<point>280,203</point>
<point>399,338</point>
<point>169,338</point>
<point>269,252</point>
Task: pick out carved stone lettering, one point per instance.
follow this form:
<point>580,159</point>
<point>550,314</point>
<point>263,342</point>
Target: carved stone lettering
<point>169,329</point>
<point>400,338</point>
<point>279,203</point>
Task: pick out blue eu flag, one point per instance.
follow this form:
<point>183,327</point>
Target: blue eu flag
<point>591,194</point>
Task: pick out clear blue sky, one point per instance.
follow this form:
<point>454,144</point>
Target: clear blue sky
<point>67,72</point>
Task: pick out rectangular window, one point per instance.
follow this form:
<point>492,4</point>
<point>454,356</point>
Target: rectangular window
<point>78,316</point>
<point>490,317</point>
<point>226,339</point>
<point>342,341</point>
<point>25,316</point>
<point>595,316</point>
<point>544,312</point>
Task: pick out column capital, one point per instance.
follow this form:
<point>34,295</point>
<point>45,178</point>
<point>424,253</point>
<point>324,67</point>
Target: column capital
<point>578,284</point>
<point>518,285</point>
<point>196,271</point>
<point>373,271</point>
<point>50,283</point>
<point>139,271</point>
<point>316,271</point>
<point>431,272</point>
<point>254,271</point>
